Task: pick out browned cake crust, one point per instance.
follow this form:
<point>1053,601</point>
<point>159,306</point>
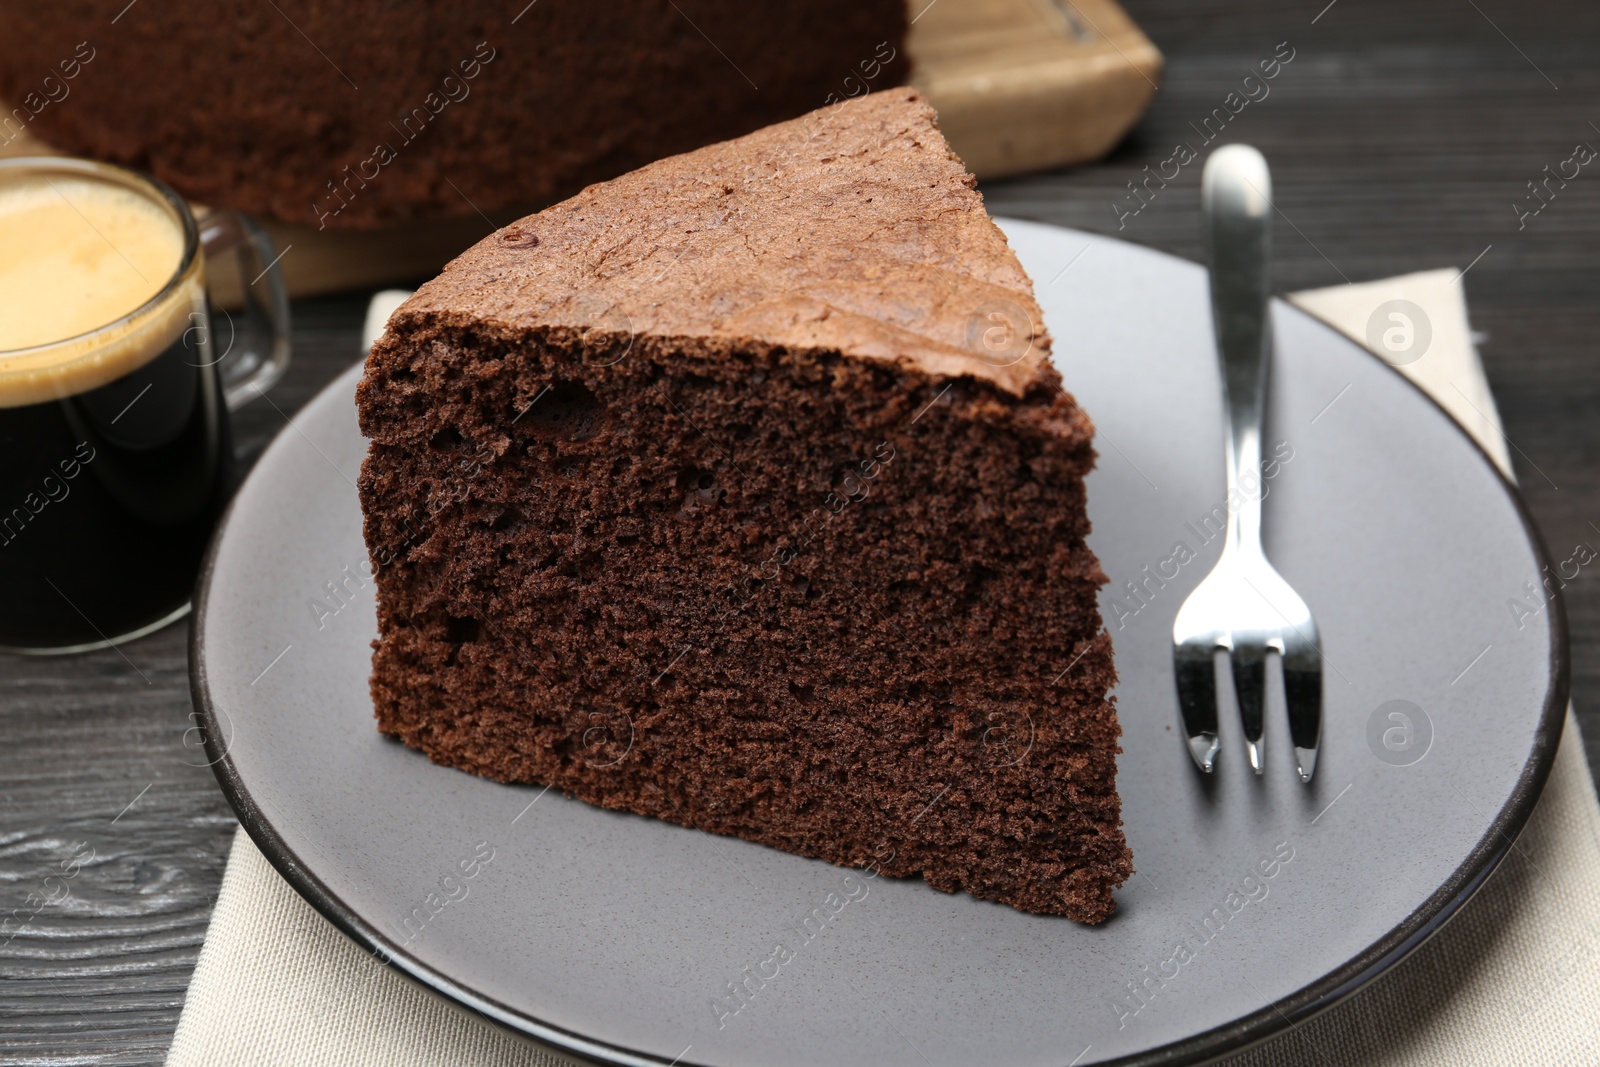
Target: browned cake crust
<point>285,109</point>
<point>739,491</point>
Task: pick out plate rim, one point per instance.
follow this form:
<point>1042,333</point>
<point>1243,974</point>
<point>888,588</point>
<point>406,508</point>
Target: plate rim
<point>1244,1032</point>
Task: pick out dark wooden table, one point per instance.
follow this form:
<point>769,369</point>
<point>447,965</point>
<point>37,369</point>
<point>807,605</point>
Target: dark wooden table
<point>1400,135</point>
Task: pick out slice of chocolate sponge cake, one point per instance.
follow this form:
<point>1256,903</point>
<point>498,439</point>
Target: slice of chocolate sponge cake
<point>740,491</point>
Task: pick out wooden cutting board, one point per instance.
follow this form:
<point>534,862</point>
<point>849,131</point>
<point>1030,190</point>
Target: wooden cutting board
<point>1023,85</point>
<point>1020,85</point>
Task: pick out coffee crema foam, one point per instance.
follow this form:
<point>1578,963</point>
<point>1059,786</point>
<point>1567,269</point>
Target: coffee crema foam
<point>80,259</point>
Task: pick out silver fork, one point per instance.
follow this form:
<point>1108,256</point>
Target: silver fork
<point>1243,605</point>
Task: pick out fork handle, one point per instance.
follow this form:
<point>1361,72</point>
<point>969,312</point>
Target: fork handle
<point>1236,204</point>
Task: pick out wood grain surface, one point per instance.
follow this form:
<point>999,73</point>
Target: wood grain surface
<point>1400,137</point>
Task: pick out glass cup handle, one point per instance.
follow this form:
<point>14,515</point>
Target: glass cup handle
<point>255,342</point>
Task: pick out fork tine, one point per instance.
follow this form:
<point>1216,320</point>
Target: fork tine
<point>1197,699</point>
<point>1250,688</point>
<point>1302,690</point>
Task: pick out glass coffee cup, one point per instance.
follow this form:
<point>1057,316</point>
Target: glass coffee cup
<point>116,380</point>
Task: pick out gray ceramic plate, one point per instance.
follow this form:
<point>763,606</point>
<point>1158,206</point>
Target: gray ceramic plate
<point>1257,902</point>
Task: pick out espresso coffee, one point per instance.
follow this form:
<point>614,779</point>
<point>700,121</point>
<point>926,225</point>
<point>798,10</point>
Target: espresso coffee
<point>115,457</point>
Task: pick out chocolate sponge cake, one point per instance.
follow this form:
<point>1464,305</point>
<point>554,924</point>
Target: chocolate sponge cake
<point>740,491</point>
<point>343,115</point>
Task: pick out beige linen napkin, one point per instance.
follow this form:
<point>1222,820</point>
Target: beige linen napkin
<point>1513,979</point>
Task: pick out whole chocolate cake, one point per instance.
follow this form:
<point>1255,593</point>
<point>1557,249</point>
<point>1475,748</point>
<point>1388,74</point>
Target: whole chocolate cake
<point>344,115</point>
<point>740,491</point>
